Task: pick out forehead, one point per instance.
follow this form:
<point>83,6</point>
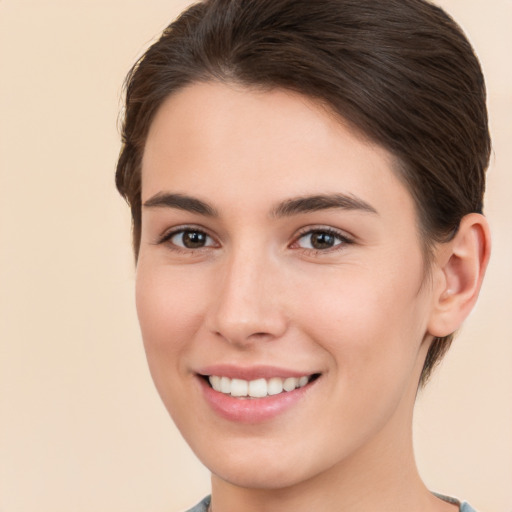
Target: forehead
<point>234,143</point>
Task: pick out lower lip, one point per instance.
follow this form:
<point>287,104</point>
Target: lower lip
<point>252,410</point>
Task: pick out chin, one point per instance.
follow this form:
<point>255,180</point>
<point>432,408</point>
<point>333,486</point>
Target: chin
<point>259,476</point>
<point>265,467</point>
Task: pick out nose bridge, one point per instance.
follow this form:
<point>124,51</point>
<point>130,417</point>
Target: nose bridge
<point>248,306</point>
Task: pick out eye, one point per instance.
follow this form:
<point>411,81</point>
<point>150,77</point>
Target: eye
<point>321,240</point>
<point>189,239</point>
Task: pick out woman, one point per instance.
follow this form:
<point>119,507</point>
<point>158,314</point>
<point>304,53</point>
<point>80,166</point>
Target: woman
<point>306,183</point>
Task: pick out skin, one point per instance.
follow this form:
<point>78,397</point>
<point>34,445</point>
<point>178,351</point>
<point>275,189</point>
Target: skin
<point>361,312</point>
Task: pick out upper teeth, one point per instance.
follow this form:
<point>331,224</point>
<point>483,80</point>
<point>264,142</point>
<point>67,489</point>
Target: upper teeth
<point>256,388</point>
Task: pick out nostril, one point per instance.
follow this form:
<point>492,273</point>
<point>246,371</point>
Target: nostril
<point>240,338</point>
<point>260,334</point>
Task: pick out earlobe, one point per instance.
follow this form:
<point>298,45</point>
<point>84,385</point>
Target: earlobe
<point>461,265</point>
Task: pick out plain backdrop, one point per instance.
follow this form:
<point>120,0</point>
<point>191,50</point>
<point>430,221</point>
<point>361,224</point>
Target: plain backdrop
<point>81,426</point>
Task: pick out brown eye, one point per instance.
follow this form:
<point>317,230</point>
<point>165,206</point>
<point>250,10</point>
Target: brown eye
<point>321,240</point>
<point>191,239</point>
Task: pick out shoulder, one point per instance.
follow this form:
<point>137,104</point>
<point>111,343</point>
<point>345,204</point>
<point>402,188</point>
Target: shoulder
<point>466,507</point>
<point>204,504</point>
<point>463,506</point>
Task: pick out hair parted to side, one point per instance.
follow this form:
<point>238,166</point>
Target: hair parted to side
<point>401,72</point>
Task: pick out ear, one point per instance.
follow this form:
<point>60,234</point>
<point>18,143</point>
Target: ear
<point>459,270</point>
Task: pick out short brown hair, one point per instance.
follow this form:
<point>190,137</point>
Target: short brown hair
<point>401,72</point>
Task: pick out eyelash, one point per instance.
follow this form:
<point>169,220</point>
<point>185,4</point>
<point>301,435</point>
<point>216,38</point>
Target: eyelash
<point>341,238</point>
<point>167,237</point>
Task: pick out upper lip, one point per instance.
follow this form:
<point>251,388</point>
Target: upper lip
<point>251,372</point>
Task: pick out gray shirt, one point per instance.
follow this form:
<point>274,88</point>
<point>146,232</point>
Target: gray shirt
<point>463,506</point>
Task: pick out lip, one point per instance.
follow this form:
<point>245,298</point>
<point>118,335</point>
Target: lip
<point>251,372</point>
<point>251,410</point>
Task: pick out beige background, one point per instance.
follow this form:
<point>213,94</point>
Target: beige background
<point>81,427</point>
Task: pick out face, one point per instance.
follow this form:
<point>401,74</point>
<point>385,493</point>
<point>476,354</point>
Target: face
<point>280,286</point>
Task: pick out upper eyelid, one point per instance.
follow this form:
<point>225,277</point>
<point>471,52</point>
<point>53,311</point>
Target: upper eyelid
<point>345,240</point>
<point>170,232</point>
<point>328,229</point>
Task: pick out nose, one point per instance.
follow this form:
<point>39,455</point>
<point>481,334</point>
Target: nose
<point>249,306</point>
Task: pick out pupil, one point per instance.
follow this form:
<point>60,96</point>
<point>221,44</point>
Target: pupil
<point>194,239</point>
<point>322,240</point>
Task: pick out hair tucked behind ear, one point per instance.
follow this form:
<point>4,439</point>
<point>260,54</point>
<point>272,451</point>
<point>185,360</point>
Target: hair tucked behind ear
<point>399,71</point>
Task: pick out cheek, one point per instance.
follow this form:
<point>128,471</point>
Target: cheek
<point>168,310</point>
<point>372,333</point>
<point>168,315</point>
<point>367,322</point>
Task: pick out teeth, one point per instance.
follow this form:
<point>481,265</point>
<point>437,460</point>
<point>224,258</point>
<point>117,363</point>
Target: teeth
<point>275,386</point>
<point>258,388</point>
<point>225,385</point>
<point>215,382</point>
<point>239,387</point>
<point>290,383</point>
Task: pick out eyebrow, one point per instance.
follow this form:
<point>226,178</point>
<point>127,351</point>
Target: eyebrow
<point>181,202</point>
<point>322,202</point>
<point>287,208</point>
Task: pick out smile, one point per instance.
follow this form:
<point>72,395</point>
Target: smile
<point>258,388</point>
<point>256,394</point>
